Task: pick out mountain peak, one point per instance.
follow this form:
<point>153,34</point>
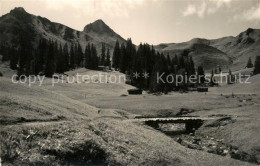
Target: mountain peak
<point>98,26</point>
<point>250,35</point>
<point>20,14</point>
<point>99,21</point>
<point>18,9</point>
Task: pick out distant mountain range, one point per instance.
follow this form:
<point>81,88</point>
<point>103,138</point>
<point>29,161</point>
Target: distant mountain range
<point>226,52</point>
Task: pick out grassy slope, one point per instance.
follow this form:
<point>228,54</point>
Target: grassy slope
<point>201,52</point>
<point>84,129</point>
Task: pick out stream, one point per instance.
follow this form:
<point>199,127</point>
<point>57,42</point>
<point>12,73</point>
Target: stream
<point>208,144</point>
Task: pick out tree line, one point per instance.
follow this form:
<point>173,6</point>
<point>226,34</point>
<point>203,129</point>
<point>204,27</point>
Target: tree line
<point>50,57</point>
<point>145,60</point>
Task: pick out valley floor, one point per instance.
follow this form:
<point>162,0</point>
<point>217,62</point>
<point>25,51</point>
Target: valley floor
<point>91,123</point>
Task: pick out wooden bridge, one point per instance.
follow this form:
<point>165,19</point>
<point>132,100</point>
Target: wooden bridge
<point>191,123</point>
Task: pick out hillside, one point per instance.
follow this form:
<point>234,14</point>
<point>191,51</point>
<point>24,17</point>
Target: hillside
<point>226,51</point>
<point>36,27</point>
<point>241,47</point>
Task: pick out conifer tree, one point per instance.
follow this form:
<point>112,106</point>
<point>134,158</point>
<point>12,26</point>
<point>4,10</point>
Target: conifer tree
<point>192,66</point>
<point>168,57</point>
<point>176,60</point>
<point>103,55</point>
<point>43,52</point>
<point>66,57</point>
<point>201,75</point>
<point>189,66</point>
<point>13,59</point>
<point>25,48</point>
<point>231,79</point>
<point>94,57</point>
<point>257,65</point>
<point>166,71</point>
<point>158,70</point>
<point>219,69</point>
<point>212,80</point>
<point>28,61</point>
<point>181,62</point>
<point>56,54</point>
<point>129,54</point>
<point>123,60</point>
<point>60,60</point>
<point>88,56</point>
<point>72,56</point>
<point>49,68</point>
<point>36,65</point>
<point>249,63</point>
<point>80,56</point>
<point>116,56</point>
<point>108,61</point>
<point>34,69</point>
<point>76,55</point>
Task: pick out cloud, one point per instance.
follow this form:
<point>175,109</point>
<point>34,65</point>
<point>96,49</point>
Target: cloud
<point>190,10</point>
<point>205,7</point>
<point>221,2</point>
<point>118,8</point>
<point>202,10</point>
<point>195,10</point>
<point>252,14</point>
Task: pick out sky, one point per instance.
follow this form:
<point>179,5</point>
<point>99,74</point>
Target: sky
<point>150,21</point>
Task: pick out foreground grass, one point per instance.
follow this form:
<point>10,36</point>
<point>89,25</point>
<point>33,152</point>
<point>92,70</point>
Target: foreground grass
<point>102,141</point>
<point>50,145</point>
